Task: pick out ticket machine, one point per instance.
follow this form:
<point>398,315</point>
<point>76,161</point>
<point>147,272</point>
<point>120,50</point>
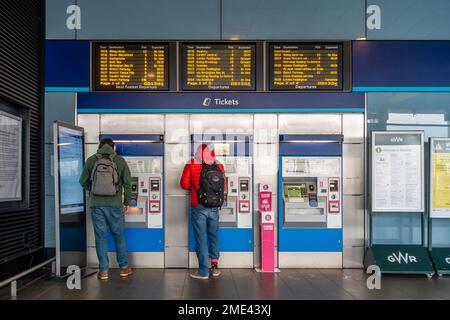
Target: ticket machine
<point>236,214</point>
<point>310,214</point>
<point>144,230</point>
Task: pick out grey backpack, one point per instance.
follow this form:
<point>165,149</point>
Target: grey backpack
<point>104,176</point>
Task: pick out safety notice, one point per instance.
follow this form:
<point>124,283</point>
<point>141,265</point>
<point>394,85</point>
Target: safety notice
<point>10,157</point>
<point>440,178</point>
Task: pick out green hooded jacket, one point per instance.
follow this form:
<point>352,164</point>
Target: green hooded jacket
<point>124,175</point>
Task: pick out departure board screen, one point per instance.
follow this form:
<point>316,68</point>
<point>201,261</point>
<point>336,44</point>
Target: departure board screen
<point>222,67</point>
<point>130,66</point>
<point>307,66</point>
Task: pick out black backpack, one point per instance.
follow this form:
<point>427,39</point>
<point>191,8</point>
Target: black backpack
<point>211,191</point>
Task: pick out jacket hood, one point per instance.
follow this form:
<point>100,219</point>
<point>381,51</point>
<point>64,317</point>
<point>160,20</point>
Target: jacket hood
<point>205,153</point>
<point>106,149</point>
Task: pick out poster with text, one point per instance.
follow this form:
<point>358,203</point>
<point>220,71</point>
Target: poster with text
<point>397,172</point>
<point>10,157</point>
<point>440,178</point>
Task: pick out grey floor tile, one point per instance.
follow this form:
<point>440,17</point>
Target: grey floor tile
<point>175,284</point>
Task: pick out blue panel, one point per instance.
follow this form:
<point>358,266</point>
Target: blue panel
<point>310,149</point>
<point>311,137</point>
<point>291,145</point>
<point>73,238</point>
<point>310,240</point>
<point>293,19</point>
<point>131,148</point>
<point>67,63</point>
<point>412,20</point>
<point>230,239</point>
<point>252,102</point>
<point>141,240</point>
<point>401,64</point>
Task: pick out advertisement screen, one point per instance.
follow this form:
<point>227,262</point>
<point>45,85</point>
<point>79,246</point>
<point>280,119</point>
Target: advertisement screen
<point>70,162</point>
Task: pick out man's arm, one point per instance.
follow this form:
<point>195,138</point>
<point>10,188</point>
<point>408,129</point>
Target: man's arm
<point>126,184</point>
<point>85,177</point>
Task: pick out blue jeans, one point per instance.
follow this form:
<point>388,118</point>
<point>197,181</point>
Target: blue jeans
<point>205,222</point>
<point>112,218</point>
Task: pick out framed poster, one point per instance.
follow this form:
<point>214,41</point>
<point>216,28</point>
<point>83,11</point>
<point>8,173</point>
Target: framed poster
<point>440,177</point>
<point>10,157</point>
<point>397,171</point>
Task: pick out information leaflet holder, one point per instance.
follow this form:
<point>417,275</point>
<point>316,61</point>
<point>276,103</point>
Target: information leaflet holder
<point>397,186</point>
<point>439,200</point>
<point>70,202</point>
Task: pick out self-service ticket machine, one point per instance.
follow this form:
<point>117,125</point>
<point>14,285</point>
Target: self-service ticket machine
<point>310,206</point>
<point>236,215</point>
<point>144,218</point>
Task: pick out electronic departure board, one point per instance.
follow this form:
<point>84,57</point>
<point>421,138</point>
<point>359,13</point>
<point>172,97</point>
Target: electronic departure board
<point>129,66</point>
<point>305,66</point>
<point>221,67</point>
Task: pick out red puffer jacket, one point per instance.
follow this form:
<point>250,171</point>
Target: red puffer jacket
<point>190,180</point>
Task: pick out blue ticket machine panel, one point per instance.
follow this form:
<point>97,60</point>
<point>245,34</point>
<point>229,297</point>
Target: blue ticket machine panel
<point>236,214</point>
<point>144,219</point>
<point>310,201</point>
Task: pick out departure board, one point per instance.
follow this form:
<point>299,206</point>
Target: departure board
<point>221,67</point>
<point>130,66</point>
<point>294,66</point>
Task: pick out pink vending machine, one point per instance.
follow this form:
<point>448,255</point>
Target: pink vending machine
<point>267,228</point>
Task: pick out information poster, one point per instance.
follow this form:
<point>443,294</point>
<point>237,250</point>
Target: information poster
<point>440,178</point>
<point>10,157</point>
<point>397,172</point>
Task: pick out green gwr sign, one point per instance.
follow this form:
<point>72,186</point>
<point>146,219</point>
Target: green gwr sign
<point>441,259</point>
<point>413,259</point>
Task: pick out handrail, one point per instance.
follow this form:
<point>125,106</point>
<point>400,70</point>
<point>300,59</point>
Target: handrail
<point>13,279</point>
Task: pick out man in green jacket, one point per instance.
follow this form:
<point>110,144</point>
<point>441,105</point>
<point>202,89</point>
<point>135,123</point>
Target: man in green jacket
<point>108,211</point>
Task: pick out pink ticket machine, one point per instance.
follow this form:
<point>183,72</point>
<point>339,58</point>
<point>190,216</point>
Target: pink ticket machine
<point>267,228</point>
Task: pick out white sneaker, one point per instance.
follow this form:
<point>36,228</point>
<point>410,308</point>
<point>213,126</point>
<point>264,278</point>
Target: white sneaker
<point>199,276</point>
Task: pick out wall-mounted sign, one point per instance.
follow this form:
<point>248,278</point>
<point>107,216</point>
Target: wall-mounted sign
<point>440,177</point>
<point>130,66</point>
<point>10,157</point>
<point>218,66</point>
<point>397,171</point>
<point>307,66</point>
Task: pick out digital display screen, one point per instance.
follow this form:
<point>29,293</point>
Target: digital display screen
<point>130,66</point>
<point>306,66</point>
<point>70,162</point>
<point>221,67</point>
<point>244,186</point>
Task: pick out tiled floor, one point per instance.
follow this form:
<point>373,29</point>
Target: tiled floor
<point>243,284</point>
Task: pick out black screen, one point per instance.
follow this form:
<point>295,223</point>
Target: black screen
<point>221,67</point>
<point>129,66</point>
<point>305,66</point>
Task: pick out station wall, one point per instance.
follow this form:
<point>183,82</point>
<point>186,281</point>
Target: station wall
<point>284,20</point>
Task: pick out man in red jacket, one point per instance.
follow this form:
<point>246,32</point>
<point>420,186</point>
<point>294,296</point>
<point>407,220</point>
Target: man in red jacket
<point>205,221</point>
